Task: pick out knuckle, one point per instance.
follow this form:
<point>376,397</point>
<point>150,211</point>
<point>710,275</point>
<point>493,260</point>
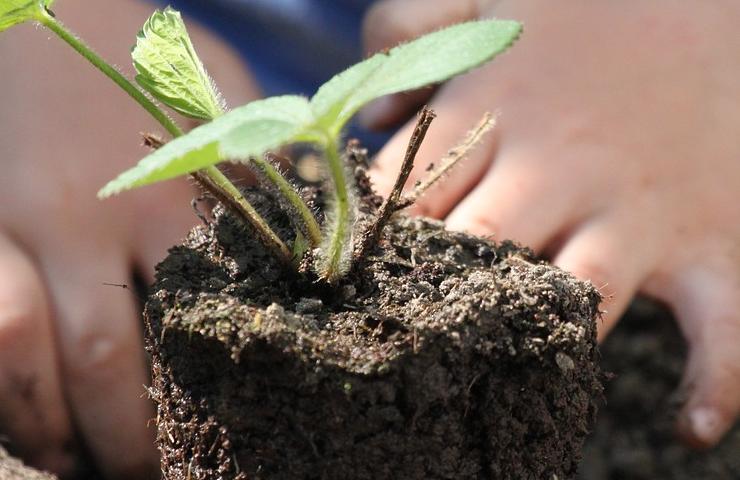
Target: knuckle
<point>94,354</point>
<point>483,225</point>
<point>383,27</point>
<point>17,327</point>
<point>427,208</point>
<point>597,272</point>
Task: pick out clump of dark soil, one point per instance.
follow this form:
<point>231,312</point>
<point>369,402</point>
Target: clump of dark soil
<point>442,356</point>
<point>446,357</point>
<point>634,436</point>
<point>13,469</point>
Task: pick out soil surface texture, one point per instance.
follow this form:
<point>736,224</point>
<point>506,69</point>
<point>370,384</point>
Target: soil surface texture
<point>444,356</point>
<point>13,469</point>
<point>634,434</point>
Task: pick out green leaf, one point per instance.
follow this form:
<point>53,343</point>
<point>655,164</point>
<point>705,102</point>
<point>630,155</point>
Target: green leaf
<point>430,59</point>
<point>171,71</point>
<point>13,12</point>
<point>247,131</point>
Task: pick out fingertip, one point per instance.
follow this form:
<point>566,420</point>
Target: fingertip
<point>706,303</point>
<point>702,427</point>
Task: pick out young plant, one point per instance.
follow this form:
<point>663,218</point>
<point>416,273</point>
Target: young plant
<point>171,72</point>
<point>13,12</point>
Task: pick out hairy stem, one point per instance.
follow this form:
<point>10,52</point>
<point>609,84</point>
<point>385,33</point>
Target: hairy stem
<point>310,226</point>
<point>226,192</point>
<point>210,178</point>
<point>338,235</point>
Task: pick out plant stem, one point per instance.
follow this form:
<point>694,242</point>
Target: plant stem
<point>70,38</point>
<point>210,178</point>
<point>226,192</point>
<point>337,248</point>
<point>310,226</point>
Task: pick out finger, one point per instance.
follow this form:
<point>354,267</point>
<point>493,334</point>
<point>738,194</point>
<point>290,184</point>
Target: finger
<point>103,363</point>
<point>391,22</point>
<point>33,412</point>
<point>387,112</point>
<point>515,201</point>
<point>456,114</point>
<point>601,253</point>
<point>707,305</point>
<point>158,231</point>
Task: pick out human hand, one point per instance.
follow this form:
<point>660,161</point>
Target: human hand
<point>615,155</point>
<point>72,365</point>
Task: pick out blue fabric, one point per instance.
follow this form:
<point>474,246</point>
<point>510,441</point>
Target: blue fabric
<point>292,46</point>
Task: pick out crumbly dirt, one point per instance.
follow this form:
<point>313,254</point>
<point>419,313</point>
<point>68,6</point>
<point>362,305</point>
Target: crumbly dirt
<point>444,356</point>
<point>13,469</point>
<point>634,435</point>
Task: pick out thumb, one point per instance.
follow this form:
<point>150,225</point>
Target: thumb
<point>390,22</point>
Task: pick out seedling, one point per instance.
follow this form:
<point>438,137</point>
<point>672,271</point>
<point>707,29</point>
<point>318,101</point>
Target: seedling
<point>170,71</point>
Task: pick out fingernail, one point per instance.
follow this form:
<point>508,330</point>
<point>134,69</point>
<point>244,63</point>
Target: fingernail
<point>374,113</point>
<point>705,425</point>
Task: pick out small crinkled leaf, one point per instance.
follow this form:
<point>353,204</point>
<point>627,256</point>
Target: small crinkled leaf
<point>171,71</point>
<point>430,59</point>
<point>13,12</point>
<point>247,131</point>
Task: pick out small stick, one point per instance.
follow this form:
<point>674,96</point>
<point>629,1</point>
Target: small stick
<point>390,205</point>
<point>152,140</point>
<point>453,157</point>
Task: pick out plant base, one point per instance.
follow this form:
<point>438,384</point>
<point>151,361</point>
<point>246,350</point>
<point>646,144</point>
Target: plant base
<point>446,357</point>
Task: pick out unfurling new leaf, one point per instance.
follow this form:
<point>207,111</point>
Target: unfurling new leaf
<point>171,71</point>
<point>13,12</point>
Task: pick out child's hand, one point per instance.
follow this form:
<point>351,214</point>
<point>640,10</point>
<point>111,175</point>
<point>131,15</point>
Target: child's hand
<point>616,155</point>
<point>71,354</point>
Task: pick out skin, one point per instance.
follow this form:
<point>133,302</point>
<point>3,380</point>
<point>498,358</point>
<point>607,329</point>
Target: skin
<point>72,366</point>
<point>615,155</point>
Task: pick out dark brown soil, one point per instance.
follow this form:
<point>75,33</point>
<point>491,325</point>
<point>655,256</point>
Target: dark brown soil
<point>13,469</point>
<point>634,435</point>
<point>445,357</point>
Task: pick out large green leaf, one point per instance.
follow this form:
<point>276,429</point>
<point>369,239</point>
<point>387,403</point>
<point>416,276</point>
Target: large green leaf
<point>13,12</point>
<point>171,71</point>
<point>430,59</point>
<point>247,131</point>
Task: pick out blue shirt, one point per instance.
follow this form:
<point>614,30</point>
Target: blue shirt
<point>291,46</point>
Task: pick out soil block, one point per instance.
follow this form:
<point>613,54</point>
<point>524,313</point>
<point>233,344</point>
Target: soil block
<point>444,356</point>
<point>440,356</point>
